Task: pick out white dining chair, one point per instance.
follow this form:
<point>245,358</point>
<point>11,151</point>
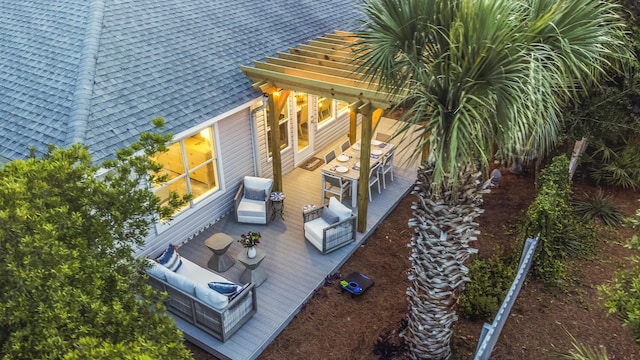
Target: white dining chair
<point>345,145</point>
<point>387,167</point>
<point>334,185</point>
<point>374,178</point>
<point>329,156</point>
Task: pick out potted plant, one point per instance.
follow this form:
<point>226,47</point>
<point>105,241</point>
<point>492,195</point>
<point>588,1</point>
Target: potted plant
<point>250,240</point>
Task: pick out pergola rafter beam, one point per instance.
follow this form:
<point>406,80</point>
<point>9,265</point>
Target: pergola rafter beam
<point>335,41</point>
<point>312,75</point>
<point>318,61</point>
<point>318,87</point>
<point>326,51</point>
<point>313,68</point>
<point>315,54</point>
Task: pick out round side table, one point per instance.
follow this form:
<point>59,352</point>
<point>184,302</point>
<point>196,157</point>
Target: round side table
<point>252,272</point>
<point>219,243</point>
<point>277,204</point>
<point>309,207</point>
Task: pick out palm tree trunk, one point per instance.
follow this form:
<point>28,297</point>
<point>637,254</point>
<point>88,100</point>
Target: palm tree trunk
<point>443,228</point>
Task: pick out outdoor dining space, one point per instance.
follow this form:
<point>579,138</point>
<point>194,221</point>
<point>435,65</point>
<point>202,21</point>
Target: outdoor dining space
<point>340,173</point>
<point>292,267</point>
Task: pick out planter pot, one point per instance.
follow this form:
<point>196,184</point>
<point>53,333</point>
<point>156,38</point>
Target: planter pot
<point>251,252</point>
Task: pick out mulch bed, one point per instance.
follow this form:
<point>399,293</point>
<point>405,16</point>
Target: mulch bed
<point>334,325</point>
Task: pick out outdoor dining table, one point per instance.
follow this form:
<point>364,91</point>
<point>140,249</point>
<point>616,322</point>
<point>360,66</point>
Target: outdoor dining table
<point>346,164</point>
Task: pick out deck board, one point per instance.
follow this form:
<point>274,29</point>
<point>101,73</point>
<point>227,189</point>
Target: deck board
<point>294,267</point>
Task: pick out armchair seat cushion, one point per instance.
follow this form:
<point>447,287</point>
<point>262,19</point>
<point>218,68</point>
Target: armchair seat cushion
<point>251,209</point>
<point>313,231</point>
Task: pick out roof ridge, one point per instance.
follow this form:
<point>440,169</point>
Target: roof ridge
<point>81,105</point>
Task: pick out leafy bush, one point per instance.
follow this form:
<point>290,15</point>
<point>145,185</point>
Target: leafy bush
<point>490,281</point>
<point>598,206</point>
<point>623,293</point>
<point>617,165</point>
<point>562,233</point>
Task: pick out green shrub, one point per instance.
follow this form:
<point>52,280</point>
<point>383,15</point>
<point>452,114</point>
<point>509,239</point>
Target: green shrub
<point>617,165</point>
<point>623,293</point>
<point>598,206</point>
<point>562,233</point>
<point>490,281</point>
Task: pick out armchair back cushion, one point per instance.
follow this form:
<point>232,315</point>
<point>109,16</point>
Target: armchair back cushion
<point>339,209</point>
<point>329,216</point>
<point>257,183</point>
<point>254,194</point>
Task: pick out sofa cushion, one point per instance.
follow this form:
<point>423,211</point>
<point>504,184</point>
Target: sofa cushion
<point>224,288</point>
<point>170,258</point>
<point>210,297</point>
<point>198,273</point>
<point>181,282</point>
<point>254,194</point>
<point>339,209</point>
<point>329,216</point>
<point>157,270</point>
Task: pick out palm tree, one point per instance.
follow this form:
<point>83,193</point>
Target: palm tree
<point>475,76</point>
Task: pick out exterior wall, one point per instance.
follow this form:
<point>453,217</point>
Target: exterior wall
<point>324,136</point>
<point>234,137</point>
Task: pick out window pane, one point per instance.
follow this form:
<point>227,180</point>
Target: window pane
<point>172,161</point>
<point>284,114</point>
<point>284,136</point>
<point>199,150</point>
<point>325,109</point>
<point>284,128</point>
<point>342,106</point>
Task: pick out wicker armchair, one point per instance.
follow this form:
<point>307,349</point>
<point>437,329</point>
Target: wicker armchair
<point>326,236</point>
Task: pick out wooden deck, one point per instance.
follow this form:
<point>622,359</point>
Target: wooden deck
<point>294,267</point>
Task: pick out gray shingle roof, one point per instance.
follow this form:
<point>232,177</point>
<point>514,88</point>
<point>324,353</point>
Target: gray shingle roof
<point>99,71</point>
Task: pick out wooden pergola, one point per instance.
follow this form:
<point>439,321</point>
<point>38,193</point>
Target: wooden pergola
<point>323,67</point>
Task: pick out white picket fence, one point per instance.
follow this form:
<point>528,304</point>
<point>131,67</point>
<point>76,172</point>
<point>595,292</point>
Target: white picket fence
<point>491,332</point>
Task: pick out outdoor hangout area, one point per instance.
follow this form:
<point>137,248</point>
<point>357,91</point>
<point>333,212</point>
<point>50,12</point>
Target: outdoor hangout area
<point>288,268</point>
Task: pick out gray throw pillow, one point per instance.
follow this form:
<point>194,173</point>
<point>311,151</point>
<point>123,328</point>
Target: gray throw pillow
<point>254,194</point>
<point>329,216</point>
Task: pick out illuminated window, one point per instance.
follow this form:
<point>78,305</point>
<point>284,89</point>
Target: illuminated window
<point>342,106</point>
<point>284,128</point>
<point>191,167</point>
<point>325,110</point>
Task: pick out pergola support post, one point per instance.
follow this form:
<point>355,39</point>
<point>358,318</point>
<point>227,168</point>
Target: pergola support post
<point>366,111</point>
<point>277,100</point>
<point>353,121</point>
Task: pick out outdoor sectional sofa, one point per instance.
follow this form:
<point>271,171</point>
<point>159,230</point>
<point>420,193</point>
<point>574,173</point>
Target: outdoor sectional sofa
<point>192,300</point>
